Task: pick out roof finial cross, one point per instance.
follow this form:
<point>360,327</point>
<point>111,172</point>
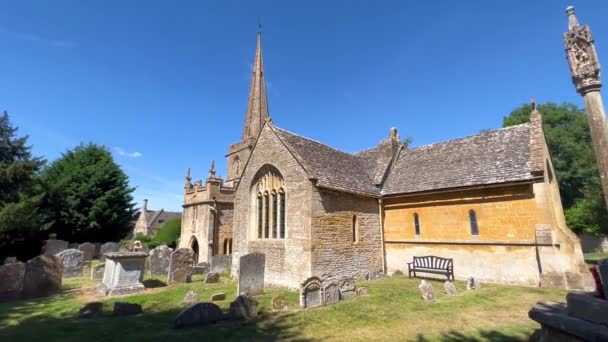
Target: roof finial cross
<point>259,25</point>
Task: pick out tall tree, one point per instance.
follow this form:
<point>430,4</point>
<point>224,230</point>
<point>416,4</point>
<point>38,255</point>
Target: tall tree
<point>19,220</point>
<point>569,142</point>
<point>89,198</point>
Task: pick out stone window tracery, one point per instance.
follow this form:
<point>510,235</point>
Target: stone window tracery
<point>269,197</point>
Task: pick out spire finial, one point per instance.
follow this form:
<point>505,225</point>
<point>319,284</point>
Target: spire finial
<point>533,104</point>
<point>259,25</point>
<point>212,169</point>
<point>572,21</point>
<point>188,178</point>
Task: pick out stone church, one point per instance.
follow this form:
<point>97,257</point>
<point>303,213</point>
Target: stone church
<point>489,201</point>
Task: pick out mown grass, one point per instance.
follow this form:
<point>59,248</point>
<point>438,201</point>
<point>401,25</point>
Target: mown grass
<point>392,311</point>
<point>593,258</point>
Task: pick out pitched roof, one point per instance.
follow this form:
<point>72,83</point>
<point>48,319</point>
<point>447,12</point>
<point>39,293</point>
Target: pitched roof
<point>492,157</point>
<point>330,167</point>
<point>377,160</point>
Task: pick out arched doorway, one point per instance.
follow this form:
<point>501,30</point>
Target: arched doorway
<point>194,247</point>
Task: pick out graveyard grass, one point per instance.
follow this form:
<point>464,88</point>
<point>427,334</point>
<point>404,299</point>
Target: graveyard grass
<point>392,311</point>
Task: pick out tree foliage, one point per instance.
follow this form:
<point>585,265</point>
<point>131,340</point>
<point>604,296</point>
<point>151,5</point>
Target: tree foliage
<point>569,141</point>
<point>88,196</point>
<point>168,234</point>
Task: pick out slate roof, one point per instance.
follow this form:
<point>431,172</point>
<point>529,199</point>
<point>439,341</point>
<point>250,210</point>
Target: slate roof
<point>492,157</point>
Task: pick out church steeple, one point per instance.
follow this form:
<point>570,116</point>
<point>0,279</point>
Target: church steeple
<point>257,105</point>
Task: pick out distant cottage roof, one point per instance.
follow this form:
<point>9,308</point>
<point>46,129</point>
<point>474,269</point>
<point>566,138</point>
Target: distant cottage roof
<point>491,157</point>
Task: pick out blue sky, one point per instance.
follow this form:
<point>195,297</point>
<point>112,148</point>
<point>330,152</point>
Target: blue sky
<point>164,84</point>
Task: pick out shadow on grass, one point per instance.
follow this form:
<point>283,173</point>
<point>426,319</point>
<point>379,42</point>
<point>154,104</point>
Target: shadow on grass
<point>153,283</point>
<point>483,335</point>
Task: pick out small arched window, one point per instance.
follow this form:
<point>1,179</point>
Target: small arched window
<point>282,214</point>
<point>266,215</point>
<point>355,228</point>
<point>473,222</point>
<point>260,217</point>
<point>416,224</point>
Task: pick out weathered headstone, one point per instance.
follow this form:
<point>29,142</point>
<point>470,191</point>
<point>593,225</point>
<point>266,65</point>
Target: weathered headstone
<point>602,268</point>
<point>449,288</point>
<point>97,250</point>
<point>221,263</point>
<point>42,276</point>
<point>311,293</point>
<point>244,307</point>
<point>52,246</point>
<point>347,287</point>
<point>251,274</point>
<point>218,296</point>
<point>201,268</point>
<point>108,247</point>
<point>124,273</point>
<point>279,303</point>
<point>11,281</point>
<point>126,309</point>
<point>199,314</point>
<point>332,294</point>
<point>191,297</point>
<point>72,261</point>
<point>160,258</point>
<point>98,270</point>
<point>426,290</point>
<point>73,245</point>
<point>10,260</point>
<point>472,284</point>
<point>361,291</point>
<point>88,249</point>
<point>90,310</point>
<point>182,261</point>
<point>212,277</point>
<point>375,275</point>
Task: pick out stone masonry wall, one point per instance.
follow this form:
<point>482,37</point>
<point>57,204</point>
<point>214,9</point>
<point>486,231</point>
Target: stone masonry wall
<point>334,253</point>
<point>223,228</point>
<point>287,260</point>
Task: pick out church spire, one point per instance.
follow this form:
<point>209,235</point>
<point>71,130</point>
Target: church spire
<point>257,105</point>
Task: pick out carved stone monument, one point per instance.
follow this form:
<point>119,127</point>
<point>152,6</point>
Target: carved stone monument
<point>42,276</point>
<point>160,258</point>
<point>347,287</point>
<point>88,249</point>
<point>311,293</point>
<point>124,273</point>
<point>73,262</point>
<point>11,284</point>
<point>251,274</point>
<point>108,247</point>
<point>332,293</point>
<point>426,291</point>
<point>449,288</point>
<point>180,265</point>
<point>221,263</point>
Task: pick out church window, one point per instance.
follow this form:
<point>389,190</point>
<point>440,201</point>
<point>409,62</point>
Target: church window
<point>260,209</point>
<point>230,246</point>
<point>274,215</point>
<point>355,229</point>
<point>417,224</point>
<point>226,246</point>
<point>473,222</point>
<point>282,214</point>
<point>266,215</point>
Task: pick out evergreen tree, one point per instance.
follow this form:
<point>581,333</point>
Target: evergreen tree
<point>88,196</point>
<point>569,142</point>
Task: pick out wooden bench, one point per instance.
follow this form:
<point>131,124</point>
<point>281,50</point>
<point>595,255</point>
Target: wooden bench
<point>431,264</point>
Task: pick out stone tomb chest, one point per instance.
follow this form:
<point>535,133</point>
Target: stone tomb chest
<point>124,273</point>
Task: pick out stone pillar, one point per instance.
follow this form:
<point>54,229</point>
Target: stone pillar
<point>585,70</point>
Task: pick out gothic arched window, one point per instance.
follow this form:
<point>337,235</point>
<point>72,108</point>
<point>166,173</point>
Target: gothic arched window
<point>282,214</point>
<point>416,224</point>
<point>260,213</point>
<point>269,196</point>
<point>266,215</point>
<point>274,214</point>
<point>473,222</point>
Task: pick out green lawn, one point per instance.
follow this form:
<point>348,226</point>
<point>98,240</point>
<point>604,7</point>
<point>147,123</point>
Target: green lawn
<point>593,258</point>
<point>392,312</point>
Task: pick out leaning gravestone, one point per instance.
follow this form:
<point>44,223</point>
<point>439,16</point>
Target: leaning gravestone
<point>347,288</point>
<point>11,283</point>
<point>332,294</point>
<point>73,262</point>
<point>472,284</point>
<point>251,274</point>
<point>426,291</point>
<point>221,263</point>
<point>311,294</point>
<point>160,257</point>
<point>449,288</point>
<point>42,276</point>
<point>243,307</point>
<point>98,270</point>
<point>201,268</point>
<point>180,265</point>
<point>108,247</point>
<point>88,249</point>
<point>199,314</point>
<point>52,246</point>
<point>212,278</point>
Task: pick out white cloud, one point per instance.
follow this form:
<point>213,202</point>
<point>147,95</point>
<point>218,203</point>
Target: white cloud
<point>123,153</point>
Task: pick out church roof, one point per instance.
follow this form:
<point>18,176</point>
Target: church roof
<point>499,156</point>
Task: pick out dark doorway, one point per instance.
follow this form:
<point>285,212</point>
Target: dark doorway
<point>195,249</point>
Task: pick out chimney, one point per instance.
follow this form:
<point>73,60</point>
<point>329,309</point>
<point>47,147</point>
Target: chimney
<point>145,205</point>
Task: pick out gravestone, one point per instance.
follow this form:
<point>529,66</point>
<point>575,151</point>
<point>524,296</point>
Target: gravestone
<point>52,246</point>
<point>10,260</point>
<point>90,310</point>
<point>88,249</point>
<point>11,281</point>
<point>73,245</point>
<point>426,291</point>
<point>98,270</point>
<point>218,296</point>
<point>212,277</point>
<point>251,274</point>
<point>199,314</point>
<point>201,268</point>
<point>243,307</point>
<point>332,294</point>
<point>180,265</point>
<point>279,303</point>
<point>361,291</point>
<point>347,288</point>
<point>108,247</point>
<point>190,297</point>
<point>311,293</point>
<point>160,258</point>
<point>602,268</point>
<point>124,273</point>
<point>449,288</point>
<point>73,262</point>
<point>472,284</point>
<point>221,263</point>
<point>97,250</point>
<point>42,276</point>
